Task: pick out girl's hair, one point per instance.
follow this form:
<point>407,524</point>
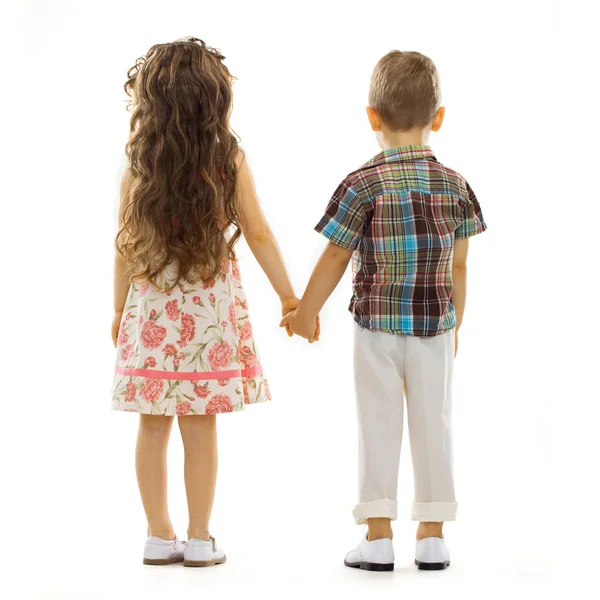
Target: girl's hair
<point>179,195</point>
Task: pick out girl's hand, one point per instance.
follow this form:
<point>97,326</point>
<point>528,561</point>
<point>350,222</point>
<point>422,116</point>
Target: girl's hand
<point>455,343</point>
<point>288,305</point>
<point>116,324</point>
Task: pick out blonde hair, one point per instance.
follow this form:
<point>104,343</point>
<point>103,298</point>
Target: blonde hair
<point>405,90</point>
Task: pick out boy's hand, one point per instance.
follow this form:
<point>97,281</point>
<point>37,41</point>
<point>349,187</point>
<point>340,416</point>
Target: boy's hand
<point>287,306</point>
<point>116,324</point>
<point>308,328</point>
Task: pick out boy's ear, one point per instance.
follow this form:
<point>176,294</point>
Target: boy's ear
<point>374,119</point>
<point>438,119</point>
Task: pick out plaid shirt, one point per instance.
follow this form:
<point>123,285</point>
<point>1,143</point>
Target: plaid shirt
<point>401,212</point>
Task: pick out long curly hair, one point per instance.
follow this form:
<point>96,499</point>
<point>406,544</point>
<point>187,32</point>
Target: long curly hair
<point>179,197</point>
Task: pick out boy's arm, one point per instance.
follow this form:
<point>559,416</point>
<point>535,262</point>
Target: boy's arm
<point>459,280</point>
<point>260,238</point>
<point>324,279</point>
<point>121,279</point>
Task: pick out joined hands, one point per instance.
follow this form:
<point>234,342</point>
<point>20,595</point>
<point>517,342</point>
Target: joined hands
<point>296,322</point>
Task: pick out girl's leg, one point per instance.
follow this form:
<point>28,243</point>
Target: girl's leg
<point>199,434</point>
<point>151,469</point>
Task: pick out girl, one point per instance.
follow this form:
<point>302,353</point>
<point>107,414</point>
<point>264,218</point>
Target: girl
<point>185,343</point>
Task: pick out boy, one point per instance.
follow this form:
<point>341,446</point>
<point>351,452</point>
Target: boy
<point>407,220</point>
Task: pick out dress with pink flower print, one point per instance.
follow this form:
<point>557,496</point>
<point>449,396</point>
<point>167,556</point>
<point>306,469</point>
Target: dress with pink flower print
<point>190,351</point>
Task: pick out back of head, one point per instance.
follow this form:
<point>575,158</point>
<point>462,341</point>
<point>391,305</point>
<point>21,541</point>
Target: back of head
<point>405,90</point>
<point>180,192</point>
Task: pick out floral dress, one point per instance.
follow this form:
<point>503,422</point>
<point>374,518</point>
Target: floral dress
<point>190,351</point>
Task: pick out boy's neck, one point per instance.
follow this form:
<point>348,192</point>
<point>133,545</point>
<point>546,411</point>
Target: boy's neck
<point>396,139</point>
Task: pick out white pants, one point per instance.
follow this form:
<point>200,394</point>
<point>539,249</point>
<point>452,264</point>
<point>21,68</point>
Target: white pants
<point>383,363</point>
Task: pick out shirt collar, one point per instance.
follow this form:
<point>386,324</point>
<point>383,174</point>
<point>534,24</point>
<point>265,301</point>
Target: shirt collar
<point>404,153</point>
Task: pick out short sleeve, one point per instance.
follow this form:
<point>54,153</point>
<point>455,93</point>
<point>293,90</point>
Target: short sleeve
<point>472,218</point>
<point>343,221</point>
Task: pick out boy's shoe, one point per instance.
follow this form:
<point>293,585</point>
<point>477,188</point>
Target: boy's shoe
<point>163,552</point>
<point>431,554</point>
<point>377,555</point>
<point>202,553</point>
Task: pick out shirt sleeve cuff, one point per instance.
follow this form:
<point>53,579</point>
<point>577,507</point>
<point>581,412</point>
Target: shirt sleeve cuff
<point>346,244</point>
<point>479,228</point>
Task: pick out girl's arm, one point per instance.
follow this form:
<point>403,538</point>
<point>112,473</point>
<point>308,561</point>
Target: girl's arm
<point>121,279</point>
<point>260,238</point>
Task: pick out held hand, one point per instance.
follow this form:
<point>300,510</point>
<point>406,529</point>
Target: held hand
<point>287,306</point>
<point>290,304</point>
<point>116,324</point>
<point>309,329</point>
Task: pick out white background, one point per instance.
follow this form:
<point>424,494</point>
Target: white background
<point>516,85</point>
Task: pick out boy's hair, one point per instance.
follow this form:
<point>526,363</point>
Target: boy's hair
<point>180,189</point>
<point>405,90</point>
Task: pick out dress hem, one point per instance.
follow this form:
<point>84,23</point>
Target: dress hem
<point>123,408</point>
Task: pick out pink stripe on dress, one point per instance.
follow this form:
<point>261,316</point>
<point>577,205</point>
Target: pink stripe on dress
<point>183,376</point>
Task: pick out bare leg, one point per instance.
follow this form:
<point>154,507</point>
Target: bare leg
<point>379,528</point>
<point>199,434</point>
<point>151,469</point>
<point>432,529</point>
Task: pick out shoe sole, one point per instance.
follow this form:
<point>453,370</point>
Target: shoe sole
<point>425,566</point>
<point>204,563</point>
<point>161,561</point>
<point>367,566</point>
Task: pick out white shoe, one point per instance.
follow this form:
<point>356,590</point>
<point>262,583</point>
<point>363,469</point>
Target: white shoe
<point>431,554</point>
<point>163,552</point>
<point>377,555</point>
<point>202,553</point>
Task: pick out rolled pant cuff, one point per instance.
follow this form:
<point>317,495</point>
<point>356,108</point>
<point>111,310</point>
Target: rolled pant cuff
<point>385,508</point>
<point>434,512</point>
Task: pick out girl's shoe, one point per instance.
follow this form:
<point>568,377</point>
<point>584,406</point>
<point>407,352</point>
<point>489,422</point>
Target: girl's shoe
<point>377,555</point>
<point>202,553</point>
<point>163,552</point>
<point>431,554</point>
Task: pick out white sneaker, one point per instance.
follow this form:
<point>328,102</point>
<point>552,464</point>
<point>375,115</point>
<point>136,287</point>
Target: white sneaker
<point>202,553</point>
<point>377,555</point>
<point>163,552</point>
<point>431,554</point>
